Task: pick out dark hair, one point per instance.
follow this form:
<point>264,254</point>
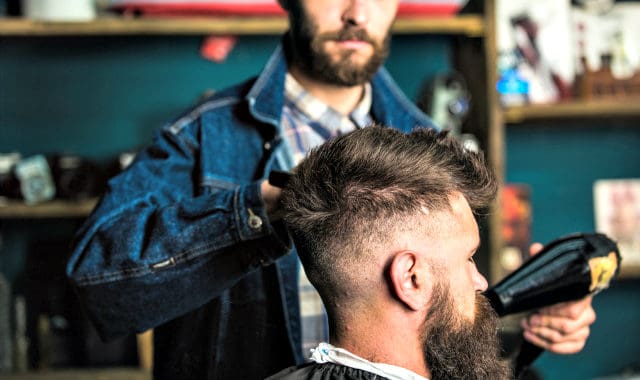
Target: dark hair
<point>353,190</point>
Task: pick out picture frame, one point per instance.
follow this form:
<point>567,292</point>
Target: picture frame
<point>617,214</point>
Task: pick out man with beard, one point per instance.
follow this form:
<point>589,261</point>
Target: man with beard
<point>187,240</point>
<point>385,229</point>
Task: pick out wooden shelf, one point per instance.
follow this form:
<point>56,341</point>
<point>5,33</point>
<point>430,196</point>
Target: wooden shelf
<point>469,25</point>
<point>574,110</point>
<point>55,209</point>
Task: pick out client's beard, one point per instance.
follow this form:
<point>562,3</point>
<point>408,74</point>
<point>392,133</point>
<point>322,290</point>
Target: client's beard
<point>457,349</point>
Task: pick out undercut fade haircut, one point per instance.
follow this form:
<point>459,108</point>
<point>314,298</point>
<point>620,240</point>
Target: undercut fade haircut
<point>352,192</point>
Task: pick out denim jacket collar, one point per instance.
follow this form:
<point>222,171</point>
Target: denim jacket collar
<point>266,96</point>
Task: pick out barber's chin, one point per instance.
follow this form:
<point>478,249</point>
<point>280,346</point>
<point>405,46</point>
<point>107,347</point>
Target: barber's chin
<point>350,62</point>
<point>357,51</point>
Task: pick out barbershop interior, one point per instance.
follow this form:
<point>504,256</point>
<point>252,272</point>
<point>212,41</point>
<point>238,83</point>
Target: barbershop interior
<point>547,90</point>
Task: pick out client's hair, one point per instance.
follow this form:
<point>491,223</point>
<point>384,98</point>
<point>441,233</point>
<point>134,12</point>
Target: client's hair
<point>354,191</point>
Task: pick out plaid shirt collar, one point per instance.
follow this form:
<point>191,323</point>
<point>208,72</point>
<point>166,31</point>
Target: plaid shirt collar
<point>321,113</point>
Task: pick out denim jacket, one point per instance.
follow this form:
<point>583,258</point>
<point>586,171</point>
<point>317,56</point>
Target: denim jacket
<point>181,242</point>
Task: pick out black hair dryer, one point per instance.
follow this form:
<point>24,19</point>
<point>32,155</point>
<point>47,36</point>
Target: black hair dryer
<point>566,269</point>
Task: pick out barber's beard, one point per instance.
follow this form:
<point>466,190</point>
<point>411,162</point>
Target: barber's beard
<point>455,348</point>
<point>309,55</point>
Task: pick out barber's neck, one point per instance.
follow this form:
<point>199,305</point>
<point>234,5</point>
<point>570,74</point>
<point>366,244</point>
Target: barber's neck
<point>343,99</point>
<point>381,337</point>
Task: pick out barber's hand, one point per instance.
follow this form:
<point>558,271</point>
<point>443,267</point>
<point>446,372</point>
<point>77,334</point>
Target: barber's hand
<point>271,196</point>
<point>562,328</point>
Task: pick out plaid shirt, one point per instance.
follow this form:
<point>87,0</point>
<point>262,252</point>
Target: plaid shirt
<point>308,122</point>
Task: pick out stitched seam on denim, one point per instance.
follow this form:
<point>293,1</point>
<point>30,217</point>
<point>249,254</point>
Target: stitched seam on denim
<point>147,268</point>
<point>190,143</point>
<point>236,212</point>
<point>179,124</point>
<point>218,183</point>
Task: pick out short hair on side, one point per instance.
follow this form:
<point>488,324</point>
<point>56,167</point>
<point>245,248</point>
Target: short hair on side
<point>354,190</point>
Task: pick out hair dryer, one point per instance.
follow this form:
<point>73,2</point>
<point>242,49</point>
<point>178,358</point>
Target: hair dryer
<point>566,269</point>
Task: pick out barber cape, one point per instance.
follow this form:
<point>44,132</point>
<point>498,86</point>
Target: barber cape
<point>329,362</point>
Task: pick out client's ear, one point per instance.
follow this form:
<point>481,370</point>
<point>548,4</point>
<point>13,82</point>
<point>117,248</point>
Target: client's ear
<point>410,280</point>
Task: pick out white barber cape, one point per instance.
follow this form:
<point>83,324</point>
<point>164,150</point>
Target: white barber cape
<point>326,353</point>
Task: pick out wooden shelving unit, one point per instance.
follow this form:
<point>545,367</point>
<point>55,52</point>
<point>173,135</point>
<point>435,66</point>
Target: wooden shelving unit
<point>469,25</point>
<point>54,209</point>
<point>574,110</point>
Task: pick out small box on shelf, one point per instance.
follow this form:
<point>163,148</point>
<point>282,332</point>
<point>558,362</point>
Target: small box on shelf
<point>604,85</point>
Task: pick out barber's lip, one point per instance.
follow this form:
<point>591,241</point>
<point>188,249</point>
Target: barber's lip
<point>352,44</point>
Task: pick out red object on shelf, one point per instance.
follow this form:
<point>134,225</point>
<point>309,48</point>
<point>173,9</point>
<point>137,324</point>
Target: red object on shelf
<point>262,8</point>
<point>217,48</point>
<point>443,8</point>
<point>177,8</point>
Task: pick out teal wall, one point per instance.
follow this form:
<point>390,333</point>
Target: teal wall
<point>560,161</point>
<point>99,96</point>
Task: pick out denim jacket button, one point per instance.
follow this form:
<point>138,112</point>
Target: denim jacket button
<point>255,222</point>
<point>267,146</point>
<point>258,262</point>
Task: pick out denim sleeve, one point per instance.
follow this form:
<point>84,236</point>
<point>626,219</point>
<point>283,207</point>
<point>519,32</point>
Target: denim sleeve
<point>152,251</point>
